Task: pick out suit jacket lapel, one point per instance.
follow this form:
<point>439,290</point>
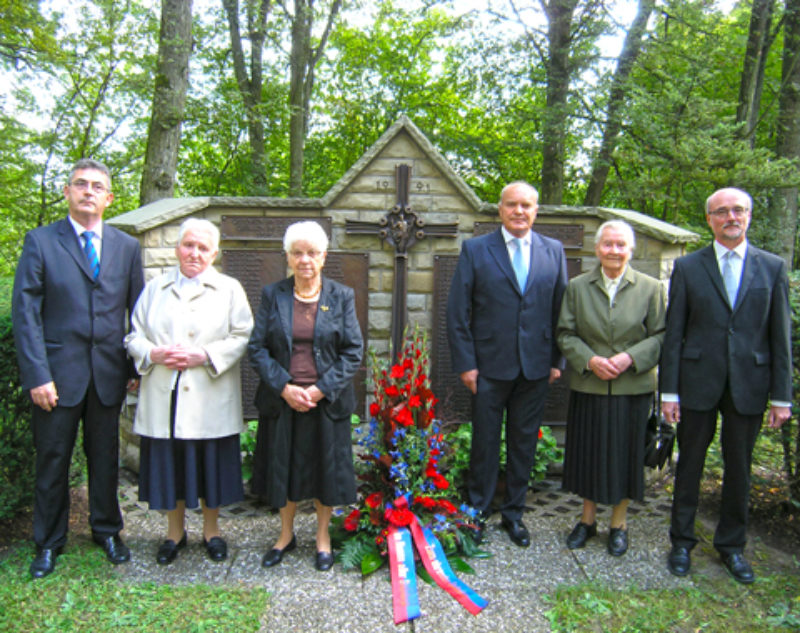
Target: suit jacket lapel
<point>71,243</point>
<point>285,301</point>
<point>323,311</point>
<point>709,259</point>
<point>749,267</point>
<point>109,251</point>
<point>499,250</point>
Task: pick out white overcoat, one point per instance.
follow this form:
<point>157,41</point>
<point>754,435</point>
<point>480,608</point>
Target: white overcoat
<point>215,316</point>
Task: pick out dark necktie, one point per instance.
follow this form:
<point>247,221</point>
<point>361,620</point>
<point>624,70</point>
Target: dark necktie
<point>91,253</point>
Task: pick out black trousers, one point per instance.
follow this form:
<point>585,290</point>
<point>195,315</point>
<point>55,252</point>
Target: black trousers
<point>54,436</point>
<point>737,438</point>
<point>523,402</point>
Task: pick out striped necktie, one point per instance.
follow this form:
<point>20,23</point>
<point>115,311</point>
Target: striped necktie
<point>91,253</point>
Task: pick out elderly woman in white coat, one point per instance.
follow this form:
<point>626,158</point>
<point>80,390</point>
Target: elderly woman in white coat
<point>190,330</point>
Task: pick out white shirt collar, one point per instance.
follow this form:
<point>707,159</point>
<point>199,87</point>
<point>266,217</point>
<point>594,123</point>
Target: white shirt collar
<point>97,229</point>
<point>526,239</point>
<point>720,250</point>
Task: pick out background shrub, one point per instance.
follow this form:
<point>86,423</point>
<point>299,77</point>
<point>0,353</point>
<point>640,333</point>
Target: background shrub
<point>16,437</point>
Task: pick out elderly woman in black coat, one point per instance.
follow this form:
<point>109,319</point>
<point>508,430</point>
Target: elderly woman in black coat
<point>306,347</point>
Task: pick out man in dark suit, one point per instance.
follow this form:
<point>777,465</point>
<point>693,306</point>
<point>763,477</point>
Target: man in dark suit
<point>501,315</point>
<point>76,284</point>
<point>727,350</point>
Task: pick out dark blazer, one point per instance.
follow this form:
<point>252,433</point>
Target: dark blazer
<point>69,328</point>
<point>338,347</point>
<point>708,344</point>
<point>493,325</point>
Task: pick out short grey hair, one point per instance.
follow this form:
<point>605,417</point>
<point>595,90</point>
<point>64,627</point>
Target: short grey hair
<point>306,231</point>
<point>518,183</point>
<point>90,163</point>
<point>747,196</point>
<point>199,225</point>
<point>619,225</point>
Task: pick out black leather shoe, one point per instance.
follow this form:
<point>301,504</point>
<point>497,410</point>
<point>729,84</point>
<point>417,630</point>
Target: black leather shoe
<point>580,534</point>
<point>275,555</point>
<point>168,551</point>
<point>739,568</point>
<point>217,548</point>
<point>517,531</point>
<point>679,561</point>
<point>617,541</point>
<point>324,561</point>
<point>116,551</point>
<point>44,562</point>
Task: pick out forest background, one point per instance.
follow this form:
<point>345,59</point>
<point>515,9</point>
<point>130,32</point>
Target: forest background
<point>647,105</point>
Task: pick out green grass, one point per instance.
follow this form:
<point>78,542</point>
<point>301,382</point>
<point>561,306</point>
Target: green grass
<point>84,595</point>
<point>772,603</point>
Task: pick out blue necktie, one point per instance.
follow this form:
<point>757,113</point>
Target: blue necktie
<point>729,279</point>
<point>91,253</point>
<point>518,262</point>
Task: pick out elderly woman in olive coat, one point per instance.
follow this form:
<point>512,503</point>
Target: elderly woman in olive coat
<point>610,330</point>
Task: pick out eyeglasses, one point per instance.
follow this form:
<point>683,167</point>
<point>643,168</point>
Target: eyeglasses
<point>85,185</point>
<point>723,212</point>
<point>300,254</point>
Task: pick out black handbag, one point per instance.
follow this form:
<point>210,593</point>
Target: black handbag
<point>659,439</point>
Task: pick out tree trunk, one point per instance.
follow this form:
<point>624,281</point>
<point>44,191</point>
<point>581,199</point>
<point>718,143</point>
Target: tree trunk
<point>751,84</point>
<point>559,16</point>
<point>630,51</point>
<point>250,86</point>
<point>303,60</point>
<point>783,204</point>
<point>169,101</point>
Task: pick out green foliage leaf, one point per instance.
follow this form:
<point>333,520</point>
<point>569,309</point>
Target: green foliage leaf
<point>372,561</point>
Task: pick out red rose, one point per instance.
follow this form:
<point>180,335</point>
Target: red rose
<point>441,483</point>
<point>448,507</point>
<point>374,409</point>
<point>425,502</point>
<point>374,500</point>
<point>351,522</point>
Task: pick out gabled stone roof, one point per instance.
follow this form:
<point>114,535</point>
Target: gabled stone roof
<point>170,210</point>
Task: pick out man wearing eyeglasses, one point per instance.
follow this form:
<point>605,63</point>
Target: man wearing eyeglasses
<point>76,284</point>
<point>727,351</point>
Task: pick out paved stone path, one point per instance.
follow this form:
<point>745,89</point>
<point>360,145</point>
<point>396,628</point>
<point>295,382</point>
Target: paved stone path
<point>514,580</point>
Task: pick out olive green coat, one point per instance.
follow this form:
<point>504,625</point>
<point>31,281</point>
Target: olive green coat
<point>588,326</point>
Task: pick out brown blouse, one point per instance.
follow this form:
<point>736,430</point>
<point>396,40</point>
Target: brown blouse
<point>302,367</point>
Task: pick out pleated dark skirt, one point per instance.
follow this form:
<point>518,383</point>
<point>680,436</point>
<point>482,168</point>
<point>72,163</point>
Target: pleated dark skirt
<point>173,469</point>
<point>304,456</point>
<point>604,455</point>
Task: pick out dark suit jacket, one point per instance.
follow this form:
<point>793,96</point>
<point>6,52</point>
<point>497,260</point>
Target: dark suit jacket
<point>69,328</point>
<point>708,345</point>
<point>338,347</point>
<point>494,327</point>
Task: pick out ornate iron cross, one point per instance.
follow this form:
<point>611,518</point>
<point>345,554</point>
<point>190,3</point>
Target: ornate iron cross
<point>401,227</point>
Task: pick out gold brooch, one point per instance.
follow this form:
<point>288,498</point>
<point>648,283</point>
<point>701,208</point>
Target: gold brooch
<point>324,308</point>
